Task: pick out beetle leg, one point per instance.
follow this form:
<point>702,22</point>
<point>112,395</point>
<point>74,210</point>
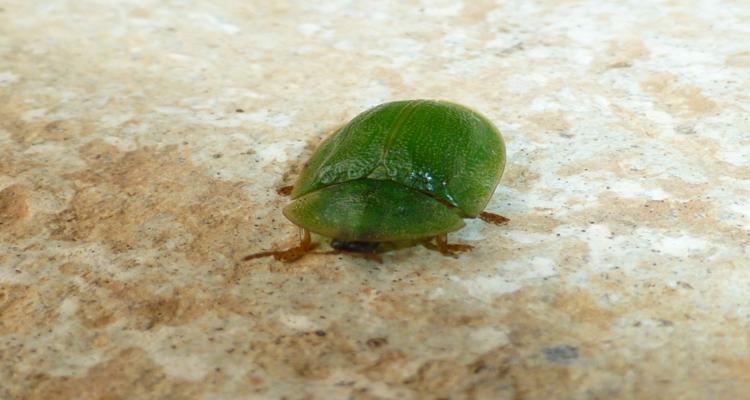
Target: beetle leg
<point>285,190</point>
<point>288,255</point>
<point>493,218</point>
<point>446,248</point>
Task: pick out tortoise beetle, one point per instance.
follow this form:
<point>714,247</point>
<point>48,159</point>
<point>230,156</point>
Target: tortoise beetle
<point>400,173</point>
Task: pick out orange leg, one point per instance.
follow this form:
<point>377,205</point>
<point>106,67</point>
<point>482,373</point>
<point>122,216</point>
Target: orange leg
<point>493,218</point>
<point>446,248</point>
<point>285,190</point>
<point>290,255</point>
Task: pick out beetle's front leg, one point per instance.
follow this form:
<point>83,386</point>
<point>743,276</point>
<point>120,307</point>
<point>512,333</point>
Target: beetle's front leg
<point>446,248</point>
<point>290,255</point>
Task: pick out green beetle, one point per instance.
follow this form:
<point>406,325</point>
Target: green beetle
<point>401,172</point>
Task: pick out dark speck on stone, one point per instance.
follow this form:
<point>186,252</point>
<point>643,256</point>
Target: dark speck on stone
<point>560,354</point>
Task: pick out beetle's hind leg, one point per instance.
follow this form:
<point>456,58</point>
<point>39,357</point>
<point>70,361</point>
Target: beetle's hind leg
<point>289,255</point>
<point>447,249</point>
<point>493,218</point>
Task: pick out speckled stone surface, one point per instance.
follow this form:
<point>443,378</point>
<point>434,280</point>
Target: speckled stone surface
<point>142,143</point>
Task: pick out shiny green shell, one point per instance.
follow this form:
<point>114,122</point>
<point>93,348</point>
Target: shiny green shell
<point>421,163</point>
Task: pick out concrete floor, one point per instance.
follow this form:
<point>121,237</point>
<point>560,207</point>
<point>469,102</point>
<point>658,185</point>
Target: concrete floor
<point>142,143</point>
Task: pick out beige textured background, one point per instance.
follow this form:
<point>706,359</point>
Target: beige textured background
<point>141,143</point>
